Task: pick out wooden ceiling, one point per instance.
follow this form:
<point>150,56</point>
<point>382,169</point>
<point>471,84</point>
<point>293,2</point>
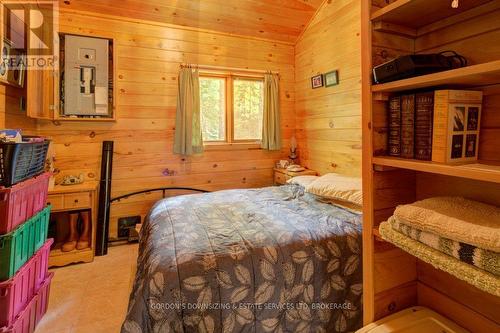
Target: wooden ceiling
<point>281,20</point>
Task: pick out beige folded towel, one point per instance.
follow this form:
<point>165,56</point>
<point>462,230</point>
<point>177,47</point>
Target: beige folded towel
<point>468,273</point>
<point>455,218</point>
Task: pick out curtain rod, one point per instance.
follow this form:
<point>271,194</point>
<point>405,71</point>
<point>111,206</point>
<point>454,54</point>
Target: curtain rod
<point>223,68</point>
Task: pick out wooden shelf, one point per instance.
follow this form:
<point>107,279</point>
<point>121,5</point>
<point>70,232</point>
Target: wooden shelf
<point>484,172</point>
<point>102,119</point>
<point>59,258</point>
<point>376,233</point>
<point>470,76</point>
<point>418,13</point>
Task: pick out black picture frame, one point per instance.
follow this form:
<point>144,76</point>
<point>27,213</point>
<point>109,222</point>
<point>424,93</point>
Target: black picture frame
<point>317,81</point>
<point>332,78</point>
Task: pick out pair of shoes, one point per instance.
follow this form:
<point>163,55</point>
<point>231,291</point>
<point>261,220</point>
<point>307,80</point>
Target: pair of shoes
<point>68,246</point>
<point>73,244</point>
<point>77,240</point>
<point>82,244</point>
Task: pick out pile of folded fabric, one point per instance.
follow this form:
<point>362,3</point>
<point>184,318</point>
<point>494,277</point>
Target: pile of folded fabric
<point>454,234</point>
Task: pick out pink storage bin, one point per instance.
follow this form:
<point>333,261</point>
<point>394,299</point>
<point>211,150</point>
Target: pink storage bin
<point>17,292</point>
<point>30,317</point>
<point>21,201</point>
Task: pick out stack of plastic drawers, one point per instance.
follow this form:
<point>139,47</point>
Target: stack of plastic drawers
<point>24,254</point>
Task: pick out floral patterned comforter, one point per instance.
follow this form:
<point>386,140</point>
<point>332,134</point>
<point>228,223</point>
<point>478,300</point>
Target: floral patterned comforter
<point>261,260</point>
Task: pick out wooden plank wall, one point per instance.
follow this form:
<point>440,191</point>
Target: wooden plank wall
<point>148,56</point>
<point>329,119</point>
<point>278,20</point>
<point>2,105</point>
<point>10,107</point>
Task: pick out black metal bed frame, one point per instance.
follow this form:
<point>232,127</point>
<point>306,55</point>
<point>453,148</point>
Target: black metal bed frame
<point>163,189</point>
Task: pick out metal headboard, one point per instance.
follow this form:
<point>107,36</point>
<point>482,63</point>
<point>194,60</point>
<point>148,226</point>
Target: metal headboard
<point>162,189</point>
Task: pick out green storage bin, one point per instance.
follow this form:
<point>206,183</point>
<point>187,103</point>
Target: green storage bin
<point>19,245</point>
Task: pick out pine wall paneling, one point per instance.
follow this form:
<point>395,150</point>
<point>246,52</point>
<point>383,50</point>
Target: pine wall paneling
<point>278,20</point>
<point>148,56</point>
<point>329,119</point>
<point>14,116</point>
<point>2,105</point>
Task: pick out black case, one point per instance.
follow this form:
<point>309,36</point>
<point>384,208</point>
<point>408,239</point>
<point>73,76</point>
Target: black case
<point>410,66</point>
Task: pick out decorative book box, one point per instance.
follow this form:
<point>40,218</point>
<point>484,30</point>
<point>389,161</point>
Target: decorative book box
<point>457,117</point>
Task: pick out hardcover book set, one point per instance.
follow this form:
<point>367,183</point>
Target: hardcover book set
<point>440,126</point>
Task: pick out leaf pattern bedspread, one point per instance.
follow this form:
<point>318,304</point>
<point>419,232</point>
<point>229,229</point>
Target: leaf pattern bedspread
<point>261,260</point>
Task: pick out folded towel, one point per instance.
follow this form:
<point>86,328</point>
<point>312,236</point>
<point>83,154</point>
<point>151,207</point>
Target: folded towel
<point>455,218</point>
<point>468,273</point>
<point>470,254</point>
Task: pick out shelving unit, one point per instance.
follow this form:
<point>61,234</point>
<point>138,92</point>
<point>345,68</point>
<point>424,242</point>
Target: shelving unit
<point>393,278</point>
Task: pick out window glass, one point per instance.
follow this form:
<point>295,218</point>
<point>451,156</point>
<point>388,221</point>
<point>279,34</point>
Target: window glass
<point>213,108</point>
<point>248,105</point>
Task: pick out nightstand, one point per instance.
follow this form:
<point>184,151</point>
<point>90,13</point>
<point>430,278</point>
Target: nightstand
<point>282,175</point>
<point>71,198</point>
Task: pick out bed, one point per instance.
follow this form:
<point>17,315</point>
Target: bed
<point>273,259</point>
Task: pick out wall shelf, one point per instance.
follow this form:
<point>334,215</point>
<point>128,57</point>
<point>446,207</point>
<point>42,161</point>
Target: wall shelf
<point>103,119</point>
<point>484,172</point>
<point>470,76</point>
<point>418,13</point>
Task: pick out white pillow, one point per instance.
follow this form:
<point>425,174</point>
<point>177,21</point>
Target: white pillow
<point>338,187</point>
<point>302,180</point>
<point>352,207</point>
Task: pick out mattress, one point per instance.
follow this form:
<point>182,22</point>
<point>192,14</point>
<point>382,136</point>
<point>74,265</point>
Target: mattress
<point>260,260</point>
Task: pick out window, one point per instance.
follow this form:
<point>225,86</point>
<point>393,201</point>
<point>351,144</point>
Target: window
<point>213,108</point>
<point>231,108</point>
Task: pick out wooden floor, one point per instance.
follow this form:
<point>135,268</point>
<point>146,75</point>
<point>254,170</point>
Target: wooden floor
<point>91,297</point>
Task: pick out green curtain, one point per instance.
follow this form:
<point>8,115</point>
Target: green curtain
<point>188,139</point>
<point>271,132</point>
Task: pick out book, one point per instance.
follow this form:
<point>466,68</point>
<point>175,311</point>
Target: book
<point>457,118</point>
<point>424,105</point>
<point>395,126</point>
<point>408,126</point>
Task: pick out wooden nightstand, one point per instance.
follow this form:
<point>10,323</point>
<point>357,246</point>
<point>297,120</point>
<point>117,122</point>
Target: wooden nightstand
<point>282,175</point>
<point>70,198</point>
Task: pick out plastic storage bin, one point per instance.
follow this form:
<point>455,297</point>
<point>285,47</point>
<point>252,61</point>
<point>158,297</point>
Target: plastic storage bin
<point>16,293</point>
<point>20,161</point>
<point>19,245</point>
<point>21,201</point>
<point>417,319</point>
<point>30,317</point>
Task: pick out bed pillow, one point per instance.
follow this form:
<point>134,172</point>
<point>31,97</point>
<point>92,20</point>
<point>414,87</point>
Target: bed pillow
<point>352,207</point>
<point>338,187</point>
<point>302,180</point>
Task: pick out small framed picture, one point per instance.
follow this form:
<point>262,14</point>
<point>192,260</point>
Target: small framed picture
<point>457,146</point>
<point>332,78</point>
<point>317,81</point>
<point>473,119</point>
<point>470,145</point>
<point>459,119</point>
